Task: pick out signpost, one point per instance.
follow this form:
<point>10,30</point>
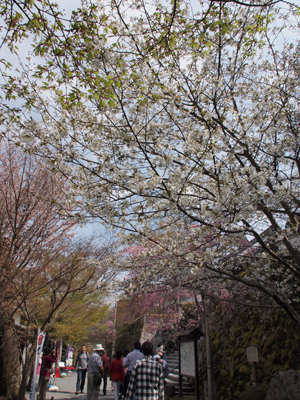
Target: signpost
<point>252,357</point>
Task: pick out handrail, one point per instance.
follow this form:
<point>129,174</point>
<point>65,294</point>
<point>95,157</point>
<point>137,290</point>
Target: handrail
<point>173,369</point>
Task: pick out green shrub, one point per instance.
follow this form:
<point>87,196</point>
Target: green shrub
<point>258,392</point>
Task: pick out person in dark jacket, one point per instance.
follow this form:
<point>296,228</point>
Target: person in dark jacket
<point>105,360</point>
<point>129,362</point>
<point>48,360</point>
<point>116,372</point>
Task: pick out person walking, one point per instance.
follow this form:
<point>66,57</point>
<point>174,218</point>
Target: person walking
<point>162,349</point>
<point>125,352</point>
<point>105,360</point>
<point>81,364</point>
<point>164,365</point>
<point>129,362</point>
<point>146,380</point>
<point>48,360</point>
<point>95,373</point>
<point>117,374</point>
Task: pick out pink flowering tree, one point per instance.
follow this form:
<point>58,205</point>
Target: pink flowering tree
<point>161,281</point>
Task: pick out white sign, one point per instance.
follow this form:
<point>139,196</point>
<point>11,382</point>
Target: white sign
<point>252,354</point>
<point>70,355</point>
<point>187,359</point>
<point>39,349</point>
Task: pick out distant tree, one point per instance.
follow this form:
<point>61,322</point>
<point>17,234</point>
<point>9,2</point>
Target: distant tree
<point>129,323</point>
<point>74,324</point>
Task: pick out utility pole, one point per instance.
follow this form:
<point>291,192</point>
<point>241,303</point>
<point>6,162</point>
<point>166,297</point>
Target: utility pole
<point>114,332</point>
<point>208,351</point>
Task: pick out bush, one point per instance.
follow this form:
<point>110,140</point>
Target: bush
<point>258,392</point>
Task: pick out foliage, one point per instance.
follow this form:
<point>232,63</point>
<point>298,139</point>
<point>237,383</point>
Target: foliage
<point>235,328</point>
<point>258,392</point>
<point>74,325</point>
<point>129,320</point>
<point>97,334</point>
<point>127,334</point>
<point>43,27</point>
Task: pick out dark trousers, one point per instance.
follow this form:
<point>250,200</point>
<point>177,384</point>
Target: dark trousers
<point>126,383</point>
<point>105,380</point>
<point>81,374</point>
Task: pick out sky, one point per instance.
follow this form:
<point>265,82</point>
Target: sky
<point>24,51</point>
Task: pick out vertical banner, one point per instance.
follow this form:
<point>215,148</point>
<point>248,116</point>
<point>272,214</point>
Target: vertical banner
<point>39,349</point>
<point>57,371</point>
<point>70,356</point>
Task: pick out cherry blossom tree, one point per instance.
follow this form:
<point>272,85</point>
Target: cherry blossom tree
<point>153,294</point>
<point>188,116</point>
<point>31,214</point>
<point>44,272</point>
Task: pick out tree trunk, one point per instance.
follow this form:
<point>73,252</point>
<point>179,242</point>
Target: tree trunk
<point>30,378</point>
<point>28,365</point>
<point>9,363</point>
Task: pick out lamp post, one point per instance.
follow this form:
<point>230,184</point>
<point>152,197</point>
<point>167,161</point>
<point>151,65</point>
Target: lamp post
<point>114,331</point>
<point>208,351</point>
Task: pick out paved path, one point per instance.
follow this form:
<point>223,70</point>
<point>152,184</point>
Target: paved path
<point>67,388</point>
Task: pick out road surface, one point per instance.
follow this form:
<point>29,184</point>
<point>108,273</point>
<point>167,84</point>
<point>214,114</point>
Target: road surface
<point>67,388</point>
